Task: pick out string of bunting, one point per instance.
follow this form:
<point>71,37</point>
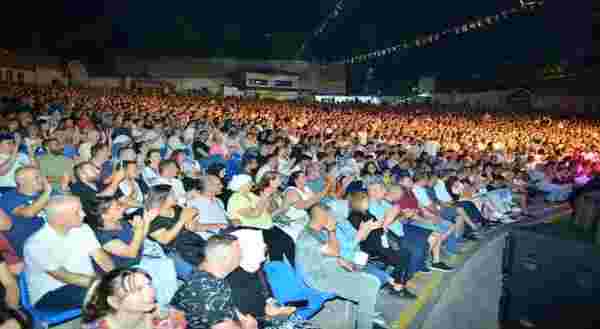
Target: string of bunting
<point>473,25</point>
<point>337,10</point>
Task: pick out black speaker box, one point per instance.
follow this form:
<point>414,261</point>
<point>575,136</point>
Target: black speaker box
<point>549,282</point>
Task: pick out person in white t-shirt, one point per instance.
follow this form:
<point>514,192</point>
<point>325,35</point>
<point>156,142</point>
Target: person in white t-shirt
<point>57,257</point>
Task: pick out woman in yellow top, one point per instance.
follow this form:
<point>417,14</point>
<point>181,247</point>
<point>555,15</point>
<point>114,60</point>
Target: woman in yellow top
<point>251,210</point>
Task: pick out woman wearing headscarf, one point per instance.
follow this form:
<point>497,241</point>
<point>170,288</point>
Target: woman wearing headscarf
<point>248,209</point>
<point>251,293</point>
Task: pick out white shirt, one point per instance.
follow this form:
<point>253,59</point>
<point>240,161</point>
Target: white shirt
<point>46,250</point>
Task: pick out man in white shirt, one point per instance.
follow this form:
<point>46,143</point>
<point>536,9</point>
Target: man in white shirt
<point>57,257</point>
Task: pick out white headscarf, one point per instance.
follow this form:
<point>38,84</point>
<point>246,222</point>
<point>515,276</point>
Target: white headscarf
<point>253,247</point>
<point>238,181</point>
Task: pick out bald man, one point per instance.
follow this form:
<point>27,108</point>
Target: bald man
<point>24,205</point>
<point>57,257</point>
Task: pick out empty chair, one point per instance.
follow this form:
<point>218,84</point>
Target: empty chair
<point>288,286</point>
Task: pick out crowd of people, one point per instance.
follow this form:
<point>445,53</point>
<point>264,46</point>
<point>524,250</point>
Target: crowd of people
<point>153,211</point>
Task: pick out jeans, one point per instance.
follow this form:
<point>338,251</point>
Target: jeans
<point>415,241</point>
<point>398,258</point>
<point>359,287</point>
<point>471,211</point>
<point>65,298</point>
<point>383,276</point>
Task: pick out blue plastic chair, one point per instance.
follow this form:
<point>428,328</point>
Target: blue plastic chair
<point>43,319</point>
<point>287,286</point>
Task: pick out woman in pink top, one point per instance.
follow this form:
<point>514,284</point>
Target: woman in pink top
<point>217,146</point>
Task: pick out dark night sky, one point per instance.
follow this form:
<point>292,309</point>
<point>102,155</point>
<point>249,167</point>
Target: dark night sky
<point>238,28</point>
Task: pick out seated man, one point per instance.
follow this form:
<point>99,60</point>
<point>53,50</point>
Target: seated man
<point>169,172</point>
<point>203,198</point>
<point>206,298</point>
<point>318,258</point>
<point>57,257</point>
<point>416,244</point>
<point>419,224</point>
<point>54,165</point>
<point>430,205</point>
<point>24,206</point>
<point>87,189</point>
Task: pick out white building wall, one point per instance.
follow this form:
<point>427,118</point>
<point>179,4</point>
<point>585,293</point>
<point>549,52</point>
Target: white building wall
<point>28,76</point>
<point>45,76</point>
<point>104,82</point>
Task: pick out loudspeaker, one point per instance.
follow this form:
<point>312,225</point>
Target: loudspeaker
<point>548,282</point>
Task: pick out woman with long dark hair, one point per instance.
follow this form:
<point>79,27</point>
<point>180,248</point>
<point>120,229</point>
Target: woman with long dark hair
<point>125,299</point>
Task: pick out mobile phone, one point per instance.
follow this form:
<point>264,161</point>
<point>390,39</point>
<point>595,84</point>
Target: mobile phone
<point>297,303</point>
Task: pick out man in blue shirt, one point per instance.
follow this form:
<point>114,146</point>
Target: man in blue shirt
<point>24,205</point>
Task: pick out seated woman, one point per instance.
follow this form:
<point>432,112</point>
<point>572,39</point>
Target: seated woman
<point>373,243</point>
<point>299,198</point>
<point>174,228</point>
<point>251,210</point>
<point>124,241</point>
<point>132,196</point>
<point>250,291</point>
<point>125,299</point>
<point>370,172</point>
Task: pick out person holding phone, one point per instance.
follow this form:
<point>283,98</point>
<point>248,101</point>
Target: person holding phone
<point>318,258</point>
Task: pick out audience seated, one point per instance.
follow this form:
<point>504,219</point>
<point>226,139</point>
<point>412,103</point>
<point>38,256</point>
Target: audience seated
<point>126,243</point>
<point>206,297</point>
<point>433,176</point>
<point>58,257</point>
<point>174,228</point>
<point>87,188</point>
<point>318,259</point>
